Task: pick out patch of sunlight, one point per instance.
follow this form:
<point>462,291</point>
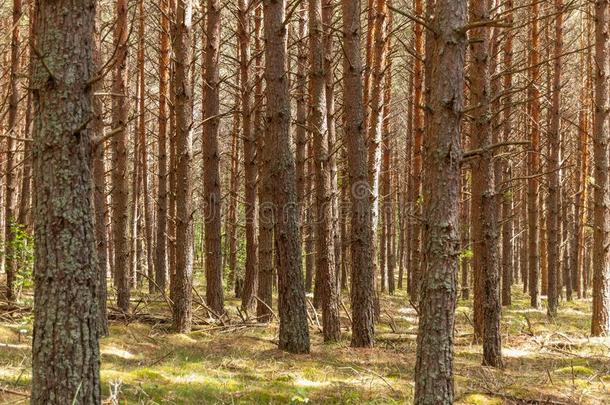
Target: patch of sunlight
<point>113,375</point>
<point>303,382</point>
<point>600,339</point>
<point>407,314</point>
<point>181,339</point>
<point>574,370</point>
<point>187,378</point>
<point>516,353</point>
<point>7,372</point>
<point>528,311</point>
<point>480,399</point>
<point>118,352</point>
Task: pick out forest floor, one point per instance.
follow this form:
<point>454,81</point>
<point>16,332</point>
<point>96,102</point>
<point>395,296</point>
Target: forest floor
<point>546,362</point>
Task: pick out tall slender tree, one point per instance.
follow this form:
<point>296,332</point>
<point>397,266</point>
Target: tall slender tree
<point>211,182</point>
<point>182,299</point>
<point>250,158</point>
<point>363,283</point>
<point>483,206</point>
<point>434,365</point>
<point>162,228</point>
<point>318,122</point>
<point>294,331</point>
<point>10,181</point>
<point>120,185</point>
<point>600,324</point>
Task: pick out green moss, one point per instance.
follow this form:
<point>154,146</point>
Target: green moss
<point>574,370</point>
<point>480,399</point>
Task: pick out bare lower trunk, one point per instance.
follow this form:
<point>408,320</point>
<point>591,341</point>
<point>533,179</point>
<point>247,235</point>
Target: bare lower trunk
<point>294,330</point>
<point>65,349</point>
<point>182,308</point>
<point>363,292</point>
<point>120,185</point>
<point>600,323</point>
<point>325,239</point>
<point>434,365</point>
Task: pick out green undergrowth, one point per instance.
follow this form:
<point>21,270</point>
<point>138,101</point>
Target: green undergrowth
<point>545,360</point>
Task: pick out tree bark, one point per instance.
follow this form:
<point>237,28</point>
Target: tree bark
<point>65,349</point>
<point>120,185</point>
<point>553,167</point>
<point>434,365</point>
<point>600,322</point>
<point>266,220</point>
<point>99,193</point>
<point>10,219</point>
<point>533,163</point>
<point>363,283</point>
<point>318,122</point>
<point>182,309</point>
<point>162,229</point>
<point>487,309</point>
<point>250,159</point>
<point>211,179</point>
<point>294,330</point>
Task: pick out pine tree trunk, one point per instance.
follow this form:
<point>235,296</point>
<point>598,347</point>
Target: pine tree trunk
<point>374,121</point>
<point>363,278</point>
<point>483,218</point>
<point>553,169</point>
<point>507,194</point>
<point>162,228</point>
<point>600,323</point>
<point>99,193</point>
<point>143,158</point>
<point>418,125</point>
<point>182,309</point>
<point>266,220</point>
<point>533,163</point>
<point>25,198</point>
<point>434,365</point>
<point>250,159</point>
<point>65,349</point>
<point>294,330</point>
<point>10,220</point>
<point>120,185</point>
<point>211,179</point>
<point>318,122</point>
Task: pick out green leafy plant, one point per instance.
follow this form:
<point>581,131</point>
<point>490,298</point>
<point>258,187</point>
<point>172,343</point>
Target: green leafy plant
<point>22,254</point>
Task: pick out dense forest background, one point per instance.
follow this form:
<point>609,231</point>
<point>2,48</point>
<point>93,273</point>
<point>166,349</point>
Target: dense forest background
<point>275,201</point>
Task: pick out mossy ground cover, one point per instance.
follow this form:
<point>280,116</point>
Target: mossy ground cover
<point>546,361</point>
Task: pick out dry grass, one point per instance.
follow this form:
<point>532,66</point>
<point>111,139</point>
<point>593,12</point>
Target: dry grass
<point>551,362</point>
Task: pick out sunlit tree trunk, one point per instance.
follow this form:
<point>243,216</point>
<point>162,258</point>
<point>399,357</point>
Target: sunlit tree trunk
<point>294,330</point>
<point>363,283</point>
<point>182,299</point>
<point>483,208</point>
<point>447,46</point>
<point>553,167</point>
<point>533,163</point>
<point>211,178</point>
<point>143,158</point>
<point>10,185</point>
<point>120,185</point>
<point>325,248</point>
<point>600,323</point>
<point>250,159</point>
<point>99,193</point>
<point>162,228</point>
<point>416,179</point>
<point>65,347</point>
